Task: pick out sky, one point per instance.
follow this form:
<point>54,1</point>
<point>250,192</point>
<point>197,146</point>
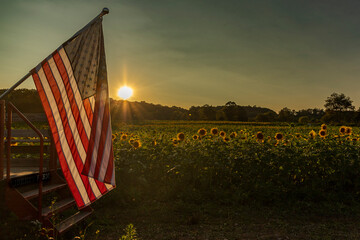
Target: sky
<point>268,53</point>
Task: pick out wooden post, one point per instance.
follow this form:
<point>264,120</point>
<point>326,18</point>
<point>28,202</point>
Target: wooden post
<point>53,155</point>
<point>8,142</point>
<point>41,163</point>
<point>2,141</point>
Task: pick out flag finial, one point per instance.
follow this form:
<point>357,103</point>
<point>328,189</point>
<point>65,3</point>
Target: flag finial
<point>105,11</point>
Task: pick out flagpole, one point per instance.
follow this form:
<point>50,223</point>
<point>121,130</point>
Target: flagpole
<point>15,85</point>
<point>103,12</point>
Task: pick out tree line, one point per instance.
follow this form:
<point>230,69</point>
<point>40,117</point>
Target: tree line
<point>338,110</point>
<point>135,111</point>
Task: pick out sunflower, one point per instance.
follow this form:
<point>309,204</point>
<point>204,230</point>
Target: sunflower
<point>233,135</point>
<point>202,132</point>
<point>348,130</point>
<point>323,126</point>
<point>297,135</point>
<point>113,137</point>
<point>260,136</point>
<point>312,134</point>
<point>226,139</point>
<point>153,142</point>
<point>241,131</point>
<point>181,136</point>
<point>175,142</point>
<point>355,139</point>
<point>131,141</point>
<point>195,137</point>
<point>322,133</point>
<point>222,133</point>
<point>214,131</point>
<point>279,136</point>
<point>136,144</point>
<point>123,137</point>
<point>342,130</point>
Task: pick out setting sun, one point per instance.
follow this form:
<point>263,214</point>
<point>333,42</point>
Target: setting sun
<point>125,92</point>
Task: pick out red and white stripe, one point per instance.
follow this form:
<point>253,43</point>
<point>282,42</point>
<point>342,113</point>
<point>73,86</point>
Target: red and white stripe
<point>99,162</point>
<point>70,119</point>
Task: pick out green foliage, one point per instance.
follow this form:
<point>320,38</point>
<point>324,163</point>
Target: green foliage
<point>304,120</point>
<point>26,100</point>
<point>266,117</point>
<point>338,102</point>
<point>287,115</point>
<point>204,181</point>
<point>130,233</point>
<point>241,168</point>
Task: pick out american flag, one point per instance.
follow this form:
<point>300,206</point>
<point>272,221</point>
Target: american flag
<point>72,84</point>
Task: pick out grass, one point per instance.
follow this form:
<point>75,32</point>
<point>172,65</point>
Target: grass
<point>179,220</point>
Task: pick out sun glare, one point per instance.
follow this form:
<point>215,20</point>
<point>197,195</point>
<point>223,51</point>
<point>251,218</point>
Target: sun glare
<point>125,92</point>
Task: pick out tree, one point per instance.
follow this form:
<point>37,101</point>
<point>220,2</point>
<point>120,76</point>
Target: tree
<point>230,103</point>
<point>234,112</point>
<point>339,102</point>
<point>220,115</point>
<point>313,114</point>
<point>270,116</point>
<point>286,115</point>
<point>304,120</point>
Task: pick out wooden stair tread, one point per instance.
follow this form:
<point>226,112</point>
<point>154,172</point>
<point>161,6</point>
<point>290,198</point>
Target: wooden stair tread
<point>48,188</point>
<point>28,179</point>
<point>22,171</point>
<point>28,133</point>
<point>69,222</point>
<point>28,140</point>
<point>27,163</point>
<point>58,206</point>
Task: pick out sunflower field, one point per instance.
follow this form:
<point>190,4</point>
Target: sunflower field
<point>237,162</point>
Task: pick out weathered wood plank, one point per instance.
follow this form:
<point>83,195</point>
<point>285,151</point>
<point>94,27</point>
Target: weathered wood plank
<point>34,149</point>
<point>28,133</point>
<point>27,162</point>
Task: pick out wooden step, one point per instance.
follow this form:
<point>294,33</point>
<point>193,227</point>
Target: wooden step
<point>48,188</point>
<point>69,222</point>
<point>28,133</point>
<point>27,162</point>
<point>22,140</point>
<point>23,171</point>
<point>28,179</point>
<point>58,207</point>
<point>34,149</point>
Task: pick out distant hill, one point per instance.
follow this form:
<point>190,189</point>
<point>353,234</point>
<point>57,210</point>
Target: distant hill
<point>28,101</point>
<point>129,111</point>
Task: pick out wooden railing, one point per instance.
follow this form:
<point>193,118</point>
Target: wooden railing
<point>10,109</point>
<point>2,130</point>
